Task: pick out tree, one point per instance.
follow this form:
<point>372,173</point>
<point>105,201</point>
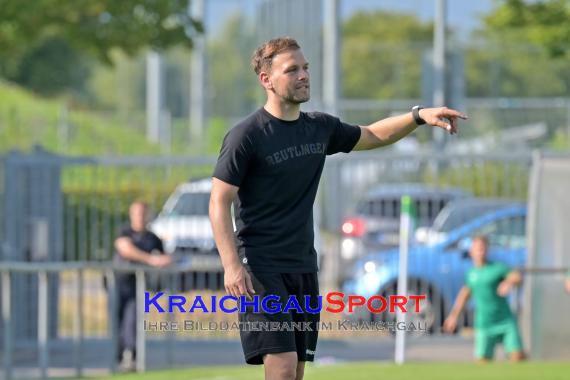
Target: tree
<point>52,67</point>
<point>97,26</point>
<point>232,80</point>
<point>512,68</point>
<point>94,28</point>
<point>382,55</point>
<point>522,50</point>
<point>518,51</point>
<point>545,23</point>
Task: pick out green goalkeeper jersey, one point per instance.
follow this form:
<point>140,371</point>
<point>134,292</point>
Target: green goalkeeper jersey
<point>490,308</point>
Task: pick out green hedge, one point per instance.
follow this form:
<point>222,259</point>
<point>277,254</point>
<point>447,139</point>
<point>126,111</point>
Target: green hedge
<point>485,179</point>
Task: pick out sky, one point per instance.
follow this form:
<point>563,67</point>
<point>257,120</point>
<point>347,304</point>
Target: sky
<point>462,15</point>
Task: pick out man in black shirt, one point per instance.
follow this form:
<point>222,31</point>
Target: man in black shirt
<point>135,244</point>
<point>272,162</point>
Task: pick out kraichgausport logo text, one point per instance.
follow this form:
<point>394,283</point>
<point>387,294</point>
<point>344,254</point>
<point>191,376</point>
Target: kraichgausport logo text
<point>273,304</point>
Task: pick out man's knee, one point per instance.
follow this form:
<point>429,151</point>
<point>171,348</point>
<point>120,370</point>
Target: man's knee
<point>282,366</point>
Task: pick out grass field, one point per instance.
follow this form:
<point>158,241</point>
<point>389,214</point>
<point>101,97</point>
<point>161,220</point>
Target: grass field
<point>358,371</point>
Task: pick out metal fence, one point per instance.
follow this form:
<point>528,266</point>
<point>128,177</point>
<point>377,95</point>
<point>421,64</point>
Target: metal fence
<point>546,319</point>
<point>2,212</point>
<point>61,216</point>
<point>85,342</point>
<point>85,320</point>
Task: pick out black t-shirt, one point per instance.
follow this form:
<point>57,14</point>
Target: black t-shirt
<point>277,165</point>
<point>143,240</point>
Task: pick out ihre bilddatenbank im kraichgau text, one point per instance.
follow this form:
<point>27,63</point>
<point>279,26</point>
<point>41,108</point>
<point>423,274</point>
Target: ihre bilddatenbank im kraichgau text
<point>271,304</point>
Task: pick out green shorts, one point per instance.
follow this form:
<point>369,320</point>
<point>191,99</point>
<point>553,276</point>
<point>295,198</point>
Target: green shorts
<point>487,338</point>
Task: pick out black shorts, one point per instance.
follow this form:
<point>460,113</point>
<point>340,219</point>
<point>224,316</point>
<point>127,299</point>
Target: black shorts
<point>256,344</point>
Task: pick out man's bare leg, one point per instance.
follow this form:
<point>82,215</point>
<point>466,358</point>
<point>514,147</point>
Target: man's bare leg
<point>300,370</point>
<point>281,366</point>
<point>517,356</point>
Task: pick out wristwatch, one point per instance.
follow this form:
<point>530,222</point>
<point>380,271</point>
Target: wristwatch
<point>416,115</point>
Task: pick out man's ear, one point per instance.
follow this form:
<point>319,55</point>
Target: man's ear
<point>265,81</point>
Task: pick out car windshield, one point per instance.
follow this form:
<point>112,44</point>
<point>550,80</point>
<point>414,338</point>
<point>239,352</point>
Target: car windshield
<point>427,209</point>
<point>191,204</point>
<point>388,208</point>
<point>454,217</point>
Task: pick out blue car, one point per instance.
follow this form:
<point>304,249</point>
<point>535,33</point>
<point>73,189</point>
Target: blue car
<point>439,270</point>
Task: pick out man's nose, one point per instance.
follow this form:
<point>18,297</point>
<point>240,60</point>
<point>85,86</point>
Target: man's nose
<point>304,74</point>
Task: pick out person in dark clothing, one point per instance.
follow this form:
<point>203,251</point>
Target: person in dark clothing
<point>135,244</point>
<point>270,164</point>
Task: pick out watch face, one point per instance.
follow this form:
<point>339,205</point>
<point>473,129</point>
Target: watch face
<point>416,115</point>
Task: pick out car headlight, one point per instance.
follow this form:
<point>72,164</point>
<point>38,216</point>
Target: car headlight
<point>348,249</point>
<point>370,267</point>
<point>373,276</point>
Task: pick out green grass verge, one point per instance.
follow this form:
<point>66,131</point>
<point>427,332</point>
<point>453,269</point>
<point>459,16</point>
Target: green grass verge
<point>61,126</point>
<point>27,119</point>
<point>366,370</point>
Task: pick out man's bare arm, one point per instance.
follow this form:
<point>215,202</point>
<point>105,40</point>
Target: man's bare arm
<point>461,301</point>
<point>388,131</point>
<point>451,322</point>
<point>514,278</point>
<point>236,280</point>
<point>129,251</point>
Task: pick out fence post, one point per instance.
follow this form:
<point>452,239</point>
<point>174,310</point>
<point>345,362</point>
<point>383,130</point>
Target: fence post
<point>78,326</point>
<point>113,317</point>
<point>407,226</point>
<point>6,320</point>
<point>334,219</point>
<point>141,344</point>
<point>529,311</point>
<point>43,322</point>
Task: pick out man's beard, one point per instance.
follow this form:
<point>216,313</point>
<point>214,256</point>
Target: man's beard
<point>299,99</point>
<point>295,97</point>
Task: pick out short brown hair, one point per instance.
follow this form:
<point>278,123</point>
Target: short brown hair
<point>263,55</point>
<point>482,238</point>
<point>139,202</point>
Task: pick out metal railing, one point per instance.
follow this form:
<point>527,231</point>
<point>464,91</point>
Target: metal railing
<point>83,343</point>
<point>78,312</point>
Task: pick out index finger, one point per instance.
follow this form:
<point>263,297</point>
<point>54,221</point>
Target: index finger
<point>447,112</point>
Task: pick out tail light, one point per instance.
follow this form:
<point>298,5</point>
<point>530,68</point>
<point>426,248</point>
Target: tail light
<point>354,227</point>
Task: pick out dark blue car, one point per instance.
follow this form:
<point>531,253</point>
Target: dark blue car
<point>439,270</point>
